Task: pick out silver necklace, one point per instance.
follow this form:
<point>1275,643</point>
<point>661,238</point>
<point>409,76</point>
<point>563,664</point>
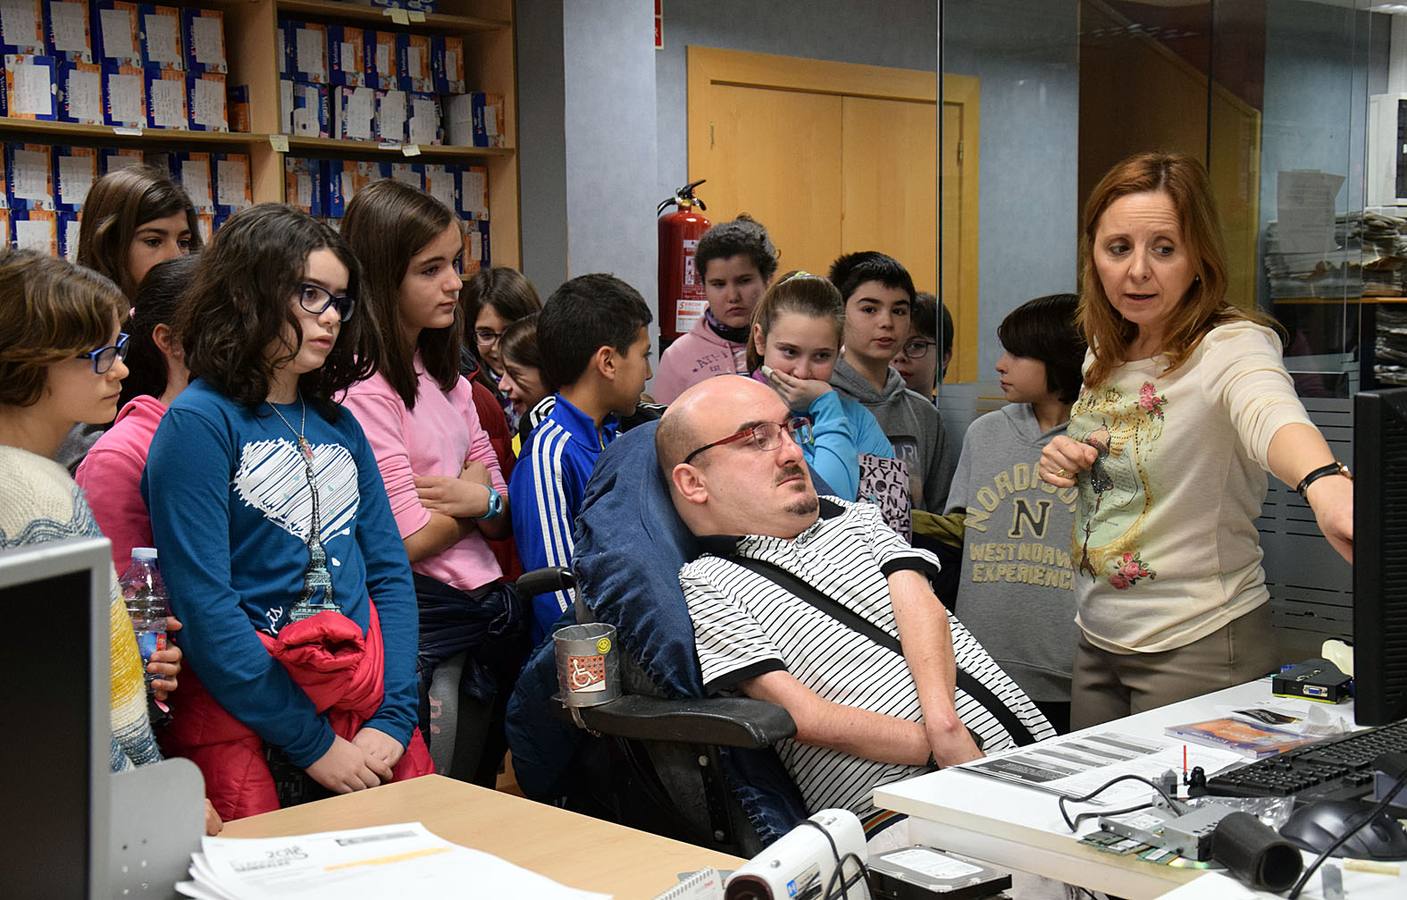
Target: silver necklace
<point>317,581</point>
<point>303,446</point>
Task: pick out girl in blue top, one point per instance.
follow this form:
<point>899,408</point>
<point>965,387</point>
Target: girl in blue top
<point>266,501</point>
<point>796,333</point>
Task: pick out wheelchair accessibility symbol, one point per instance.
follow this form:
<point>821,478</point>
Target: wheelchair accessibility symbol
<point>587,673</point>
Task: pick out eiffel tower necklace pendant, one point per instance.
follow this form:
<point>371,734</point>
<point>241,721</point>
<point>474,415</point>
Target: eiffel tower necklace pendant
<point>317,595</point>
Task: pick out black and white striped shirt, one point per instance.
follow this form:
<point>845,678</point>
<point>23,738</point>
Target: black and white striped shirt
<point>746,625</point>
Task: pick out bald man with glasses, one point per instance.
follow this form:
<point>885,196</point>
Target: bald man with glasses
<point>815,604</point>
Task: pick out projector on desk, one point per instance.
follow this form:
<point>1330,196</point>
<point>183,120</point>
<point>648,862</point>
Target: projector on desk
<point>1313,679</point>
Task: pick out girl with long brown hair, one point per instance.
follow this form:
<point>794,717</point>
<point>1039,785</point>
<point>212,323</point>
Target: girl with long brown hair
<point>133,219</point>
<point>1186,405</point>
<point>439,467</point>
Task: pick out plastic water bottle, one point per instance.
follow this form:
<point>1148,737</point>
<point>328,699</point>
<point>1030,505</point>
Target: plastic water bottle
<point>145,595</point>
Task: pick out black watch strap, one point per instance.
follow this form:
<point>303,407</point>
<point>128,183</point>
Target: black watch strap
<point>1333,468</point>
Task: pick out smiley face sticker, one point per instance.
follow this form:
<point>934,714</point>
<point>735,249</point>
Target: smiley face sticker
<point>603,646</point>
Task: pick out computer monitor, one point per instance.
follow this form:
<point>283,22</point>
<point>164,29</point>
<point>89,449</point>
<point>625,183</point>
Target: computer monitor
<point>1380,556</point>
<point>54,765</point>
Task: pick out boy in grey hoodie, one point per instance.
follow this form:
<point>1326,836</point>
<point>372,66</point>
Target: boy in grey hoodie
<point>879,295</point>
<point>1016,588</point>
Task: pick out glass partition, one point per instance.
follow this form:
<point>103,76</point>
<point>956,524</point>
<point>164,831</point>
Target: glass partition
<point>1300,114</point>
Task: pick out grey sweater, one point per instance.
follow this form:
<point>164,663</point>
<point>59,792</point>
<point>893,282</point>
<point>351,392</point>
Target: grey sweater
<point>911,423</point>
<point>1016,590</point>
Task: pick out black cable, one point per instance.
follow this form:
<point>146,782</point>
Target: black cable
<point>1172,803</point>
<point>1343,838</point>
<point>839,862</point>
<point>1112,812</point>
<point>861,872</point>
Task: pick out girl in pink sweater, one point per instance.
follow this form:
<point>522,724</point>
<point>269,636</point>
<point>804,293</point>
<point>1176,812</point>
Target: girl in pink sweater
<point>111,474</point>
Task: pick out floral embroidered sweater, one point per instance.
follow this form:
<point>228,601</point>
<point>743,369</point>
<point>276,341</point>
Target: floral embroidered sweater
<point>39,502</point>
<point>1165,543</point>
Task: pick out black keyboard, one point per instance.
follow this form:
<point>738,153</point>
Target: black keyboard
<point>1335,769</point>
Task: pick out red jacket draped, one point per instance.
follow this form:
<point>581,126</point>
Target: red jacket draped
<point>342,673</point>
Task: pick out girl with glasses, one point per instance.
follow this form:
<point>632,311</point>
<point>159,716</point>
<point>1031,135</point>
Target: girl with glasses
<point>796,331</point>
<point>920,361</point>
<point>111,473</point>
<point>277,541</point>
<point>494,299</point>
<point>61,365</point>
<point>441,473</point>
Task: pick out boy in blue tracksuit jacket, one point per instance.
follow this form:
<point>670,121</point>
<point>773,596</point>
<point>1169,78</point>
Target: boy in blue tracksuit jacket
<point>596,348</point>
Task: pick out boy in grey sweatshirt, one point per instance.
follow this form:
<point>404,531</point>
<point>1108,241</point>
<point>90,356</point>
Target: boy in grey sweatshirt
<point>1015,592</point>
<point>879,295</point>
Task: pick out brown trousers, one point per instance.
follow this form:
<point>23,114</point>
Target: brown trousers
<point>1108,686</point>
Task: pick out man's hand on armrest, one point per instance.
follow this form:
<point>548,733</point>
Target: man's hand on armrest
<point>846,729</point>
<point>928,649</point>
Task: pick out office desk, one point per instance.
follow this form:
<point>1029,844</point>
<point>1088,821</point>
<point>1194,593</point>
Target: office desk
<point>576,850</point>
<point>1020,828</point>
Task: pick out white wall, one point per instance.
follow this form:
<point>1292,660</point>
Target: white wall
<point>609,74</point>
<point>1026,58</point>
<point>586,91</point>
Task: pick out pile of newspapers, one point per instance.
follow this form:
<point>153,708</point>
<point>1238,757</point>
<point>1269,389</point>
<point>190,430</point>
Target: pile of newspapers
<point>1390,361</point>
<point>1368,258</point>
<point>406,860</point>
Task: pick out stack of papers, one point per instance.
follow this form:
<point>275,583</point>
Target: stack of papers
<point>1078,764</point>
<point>386,861</point>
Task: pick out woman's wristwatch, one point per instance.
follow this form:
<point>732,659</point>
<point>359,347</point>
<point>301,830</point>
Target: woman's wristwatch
<point>1333,468</point>
<point>495,505</point>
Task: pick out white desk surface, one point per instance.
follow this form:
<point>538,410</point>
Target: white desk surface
<point>1020,828</point>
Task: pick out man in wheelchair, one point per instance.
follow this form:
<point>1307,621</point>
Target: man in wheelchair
<point>814,604</point>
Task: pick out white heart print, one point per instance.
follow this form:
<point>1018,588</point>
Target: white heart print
<point>272,479</point>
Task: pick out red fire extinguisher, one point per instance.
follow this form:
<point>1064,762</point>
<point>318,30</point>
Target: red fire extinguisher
<point>682,302</point>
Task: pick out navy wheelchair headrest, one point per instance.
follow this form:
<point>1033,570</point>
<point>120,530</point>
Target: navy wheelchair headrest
<point>630,545</point>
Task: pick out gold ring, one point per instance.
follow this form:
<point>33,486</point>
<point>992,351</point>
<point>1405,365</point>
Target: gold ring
<point>1062,473</point>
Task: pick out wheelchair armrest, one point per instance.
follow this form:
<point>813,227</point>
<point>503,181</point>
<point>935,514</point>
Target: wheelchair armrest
<point>544,580</point>
<point>722,721</point>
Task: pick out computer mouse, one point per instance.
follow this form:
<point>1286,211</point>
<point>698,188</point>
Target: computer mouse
<point>1319,824</point>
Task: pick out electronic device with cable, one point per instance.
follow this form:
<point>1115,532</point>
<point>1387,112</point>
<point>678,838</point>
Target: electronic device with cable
<point>808,861</point>
<point>85,831</point>
<point>1314,679</point>
<point>1186,833</point>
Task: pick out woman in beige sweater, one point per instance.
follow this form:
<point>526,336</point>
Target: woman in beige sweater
<point>1186,405</point>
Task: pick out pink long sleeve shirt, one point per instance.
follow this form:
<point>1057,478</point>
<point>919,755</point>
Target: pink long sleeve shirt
<point>111,476</point>
<point>437,437</point>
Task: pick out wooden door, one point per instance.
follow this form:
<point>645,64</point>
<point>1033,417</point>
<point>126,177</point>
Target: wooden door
<point>837,157</point>
<point>961,117</point>
<point>889,191</point>
<point>776,155</point>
